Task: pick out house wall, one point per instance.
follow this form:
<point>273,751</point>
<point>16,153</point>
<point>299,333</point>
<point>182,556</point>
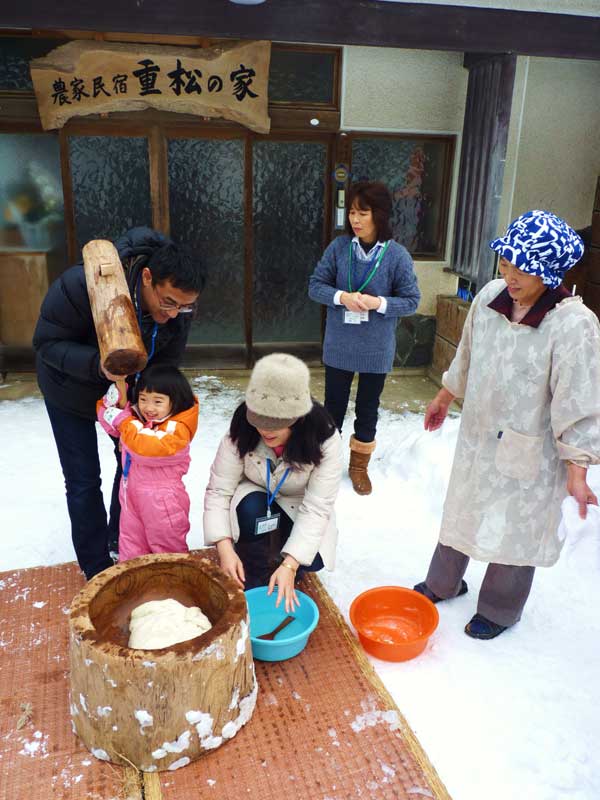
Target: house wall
<point>553,151</point>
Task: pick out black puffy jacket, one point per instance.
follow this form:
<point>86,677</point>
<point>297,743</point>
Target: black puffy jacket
<point>67,355</point>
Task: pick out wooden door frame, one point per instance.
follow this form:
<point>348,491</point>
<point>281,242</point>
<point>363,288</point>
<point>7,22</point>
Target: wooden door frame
<point>186,130</point>
<point>158,132</point>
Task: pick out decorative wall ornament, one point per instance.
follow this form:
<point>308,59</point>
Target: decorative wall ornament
<point>85,77</point>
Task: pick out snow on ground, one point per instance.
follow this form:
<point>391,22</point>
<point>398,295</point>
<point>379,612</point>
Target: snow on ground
<point>515,717</point>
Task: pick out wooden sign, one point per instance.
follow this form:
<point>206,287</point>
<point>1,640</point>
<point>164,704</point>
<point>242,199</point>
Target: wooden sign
<point>86,77</point>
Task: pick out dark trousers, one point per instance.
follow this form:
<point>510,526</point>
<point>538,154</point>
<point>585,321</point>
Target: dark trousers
<point>261,555</point>
<point>504,590</point>
<point>77,446</point>
<point>337,393</point>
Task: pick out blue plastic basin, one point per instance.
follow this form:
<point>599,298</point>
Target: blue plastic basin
<point>264,617</point>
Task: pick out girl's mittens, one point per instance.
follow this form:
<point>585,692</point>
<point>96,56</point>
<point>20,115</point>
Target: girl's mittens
<point>114,416</point>
<point>112,397</point>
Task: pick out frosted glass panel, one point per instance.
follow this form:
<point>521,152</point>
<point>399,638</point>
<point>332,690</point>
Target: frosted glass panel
<point>31,197</point>
<point>206,195</point>
<point>15,55</point>
<point>297,76</point>
<point>111,185</point>
<point>414,172</point>
<point>288,238</point>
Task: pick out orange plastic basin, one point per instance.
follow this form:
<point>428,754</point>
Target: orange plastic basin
<point>393,623</point>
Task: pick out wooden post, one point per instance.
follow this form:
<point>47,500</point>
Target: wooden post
<point>122,351</point>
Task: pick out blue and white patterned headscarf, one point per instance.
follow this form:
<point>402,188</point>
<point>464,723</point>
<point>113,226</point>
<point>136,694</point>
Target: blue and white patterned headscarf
<point>540,243</point>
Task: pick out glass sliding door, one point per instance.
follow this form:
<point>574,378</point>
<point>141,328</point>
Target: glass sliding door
<point>111,185</point>
<point>206,199</point>
<point>288,204</point>
<point>259,227</point>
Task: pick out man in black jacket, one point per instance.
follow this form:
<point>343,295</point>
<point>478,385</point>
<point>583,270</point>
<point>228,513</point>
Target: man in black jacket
<point>164,281</point>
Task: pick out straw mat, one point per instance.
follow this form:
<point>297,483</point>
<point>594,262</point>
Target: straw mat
<point>43,759</point>
<point>324,727</point>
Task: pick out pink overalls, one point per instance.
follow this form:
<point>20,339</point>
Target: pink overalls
<point>155,506</point>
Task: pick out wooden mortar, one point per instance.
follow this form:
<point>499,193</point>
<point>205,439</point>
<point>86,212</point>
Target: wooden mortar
<point>159,709</point>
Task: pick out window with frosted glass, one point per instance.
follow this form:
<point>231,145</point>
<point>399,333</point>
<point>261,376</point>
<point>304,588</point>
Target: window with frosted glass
<point>303,76</point>
<point>15,54</point>
<point>31,196</point>
<point>111,185</point>
<point>206,196</point>
<point>417,173</point>
<point>288,207</point>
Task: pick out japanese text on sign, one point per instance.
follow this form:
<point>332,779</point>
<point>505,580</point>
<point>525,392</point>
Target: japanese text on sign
<point>181,80</point>
<point>95,78</point>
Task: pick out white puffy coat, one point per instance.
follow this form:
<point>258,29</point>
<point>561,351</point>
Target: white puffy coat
<point>531,402</point>
<point>307,496</point>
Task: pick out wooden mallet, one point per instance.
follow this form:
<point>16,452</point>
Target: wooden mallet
<point>122,351</point>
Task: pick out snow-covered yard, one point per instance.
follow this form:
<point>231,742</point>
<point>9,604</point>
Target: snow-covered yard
<point>515,717</point>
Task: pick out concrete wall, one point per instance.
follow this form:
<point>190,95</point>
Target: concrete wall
<point>553,153</point>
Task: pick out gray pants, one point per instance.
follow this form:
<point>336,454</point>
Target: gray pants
<point>503,593</point>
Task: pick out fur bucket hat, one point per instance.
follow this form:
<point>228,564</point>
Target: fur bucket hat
<point>542,244</point>
<point>278,392</point>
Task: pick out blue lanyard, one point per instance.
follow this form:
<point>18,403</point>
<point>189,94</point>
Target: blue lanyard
<point>154,329</point>
<point>271,495</point>
<point>153,341</point>
<point>365,280</point>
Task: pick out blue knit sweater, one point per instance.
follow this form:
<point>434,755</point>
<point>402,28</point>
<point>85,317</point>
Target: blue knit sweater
<point>370,346</point>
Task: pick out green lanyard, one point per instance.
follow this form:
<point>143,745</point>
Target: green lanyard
<point>373,271</point>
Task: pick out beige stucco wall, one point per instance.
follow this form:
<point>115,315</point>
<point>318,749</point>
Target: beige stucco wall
<point>403,90</point>
<point>553,152</point>
<point>554,145</point>
<point>408,91</point>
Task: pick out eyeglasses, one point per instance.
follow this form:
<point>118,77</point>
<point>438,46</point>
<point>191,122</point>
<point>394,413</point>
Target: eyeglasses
<point>171,305</point>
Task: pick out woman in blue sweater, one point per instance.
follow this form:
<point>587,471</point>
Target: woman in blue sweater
<point>367,281</point>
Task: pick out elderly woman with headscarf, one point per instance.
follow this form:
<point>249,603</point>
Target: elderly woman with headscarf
<point>528,370</point>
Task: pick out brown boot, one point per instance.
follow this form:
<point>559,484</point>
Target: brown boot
<point>360,454</point>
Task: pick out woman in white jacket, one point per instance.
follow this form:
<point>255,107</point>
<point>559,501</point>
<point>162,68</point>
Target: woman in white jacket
<point>528,368</point>
<point>269,502</point>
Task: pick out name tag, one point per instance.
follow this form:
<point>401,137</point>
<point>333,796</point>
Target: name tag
<point>355,317</point>
<point>352,317</point>
<point>266,524</point>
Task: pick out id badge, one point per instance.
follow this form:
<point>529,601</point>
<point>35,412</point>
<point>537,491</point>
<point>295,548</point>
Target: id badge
<point>352,317</point>
<point>266,524</point>
<point>364,316</point>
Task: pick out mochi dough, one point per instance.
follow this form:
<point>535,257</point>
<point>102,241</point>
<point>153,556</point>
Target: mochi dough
<point>161,623</point>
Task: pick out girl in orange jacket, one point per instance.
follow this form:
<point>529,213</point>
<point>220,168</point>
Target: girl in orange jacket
<point>155,438</point>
